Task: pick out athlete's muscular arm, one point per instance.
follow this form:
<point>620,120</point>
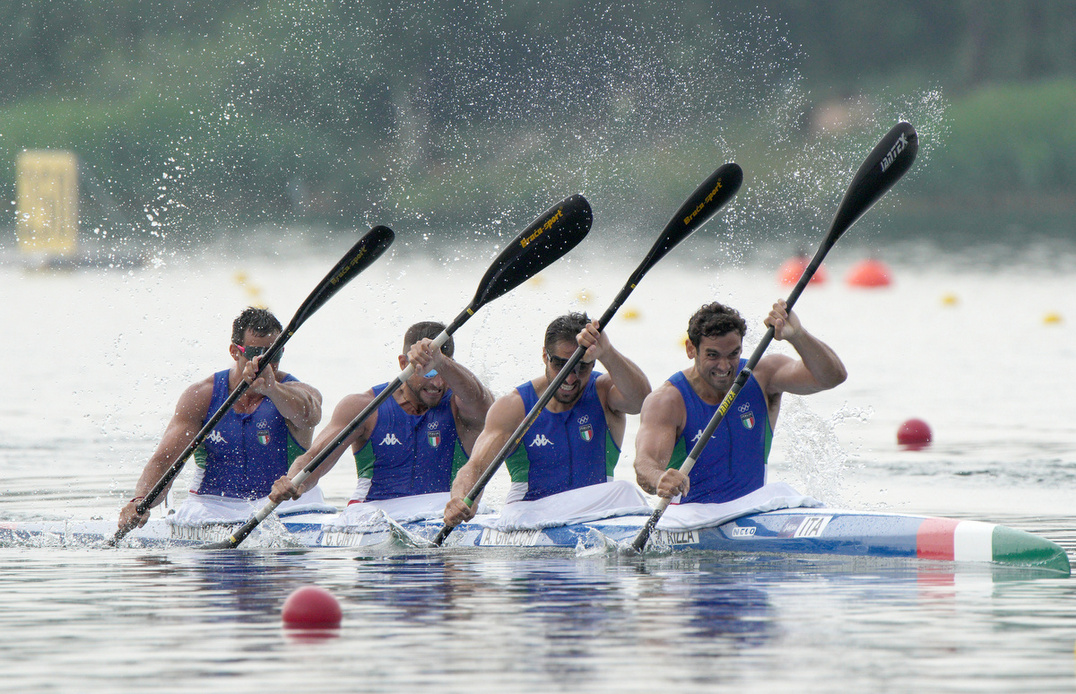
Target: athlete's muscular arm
<point>663,418</point>
<point>298,403</point>
<point>503,418</point>
<point>345,412</point>
<point>629,385</point>
<point>186,422</point>
<point>818,368</point>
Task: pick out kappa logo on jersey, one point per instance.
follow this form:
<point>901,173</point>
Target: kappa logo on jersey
<point>390,440</point>
<point>433,437</point>
<point>586,432</point>
<point>698,435</point>
<point>216,437</point>
<point>541,440</point>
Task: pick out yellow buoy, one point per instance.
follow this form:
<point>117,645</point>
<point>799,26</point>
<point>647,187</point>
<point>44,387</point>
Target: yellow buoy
<point>536,281</point>
<point>1051,318</point>
<point>950,300</point>
<point>240,278</point>
<point>584,296</point>
<point>631,314</point>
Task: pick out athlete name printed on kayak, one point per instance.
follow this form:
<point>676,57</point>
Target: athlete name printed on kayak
<point>341,538</point>
<point>515,538</point>
<point>677,537</point>
<point>201,533</point>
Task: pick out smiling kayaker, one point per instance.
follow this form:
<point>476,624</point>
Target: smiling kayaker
<point>676,413</point>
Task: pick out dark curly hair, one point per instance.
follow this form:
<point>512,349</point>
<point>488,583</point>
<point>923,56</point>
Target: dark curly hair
<point>564,329</point>
<point>257,320</point>
<point>714,320</point>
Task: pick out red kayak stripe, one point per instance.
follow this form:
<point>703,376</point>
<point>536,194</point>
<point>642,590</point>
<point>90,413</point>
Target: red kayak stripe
<point>934,539</point>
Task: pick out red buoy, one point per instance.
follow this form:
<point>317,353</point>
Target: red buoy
<point>914,434</point>
<point>868,273</point>
<point>792,269</point>
<point>311,607</point>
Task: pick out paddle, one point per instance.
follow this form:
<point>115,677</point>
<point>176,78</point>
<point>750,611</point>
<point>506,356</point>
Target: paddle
<point>557,231</point>
<point>368,249</point>
<point>707,199</point>
<point>888,161</point>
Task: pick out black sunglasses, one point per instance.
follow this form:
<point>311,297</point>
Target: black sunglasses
<point>250,352</point>
<point>559,364</point>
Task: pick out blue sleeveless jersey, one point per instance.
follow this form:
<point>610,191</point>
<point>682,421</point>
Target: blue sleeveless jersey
<point>245,453</point>
<point>564,450</point>
<point>410,454</point>
<point>734,462</point>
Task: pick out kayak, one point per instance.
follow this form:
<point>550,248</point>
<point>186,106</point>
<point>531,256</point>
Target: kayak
<point>795,531</point>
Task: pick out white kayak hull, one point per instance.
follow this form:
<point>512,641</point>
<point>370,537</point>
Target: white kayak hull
<point>799,531</point>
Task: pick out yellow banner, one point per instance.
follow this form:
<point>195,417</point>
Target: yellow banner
<point>46,194</point>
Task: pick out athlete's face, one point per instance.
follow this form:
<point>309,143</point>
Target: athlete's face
<point>424,390</point>
<point>717,360</point>
<point>572,387</point>
<point>254,345</point>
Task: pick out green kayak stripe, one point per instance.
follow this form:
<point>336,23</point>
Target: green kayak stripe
<point>1019,548</point>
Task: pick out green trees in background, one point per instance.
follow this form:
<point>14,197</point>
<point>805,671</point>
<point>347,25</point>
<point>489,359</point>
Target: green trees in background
<point>191,113</point>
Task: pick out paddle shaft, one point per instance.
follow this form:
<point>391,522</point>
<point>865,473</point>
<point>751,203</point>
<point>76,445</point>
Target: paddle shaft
<point>359,257</point>
<point>704,202</point>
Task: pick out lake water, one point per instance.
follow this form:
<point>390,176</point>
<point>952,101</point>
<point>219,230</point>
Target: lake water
<point>980,345</point>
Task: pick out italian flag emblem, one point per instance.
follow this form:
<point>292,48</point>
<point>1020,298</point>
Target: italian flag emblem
<point>748,419</point>
<point>433,438</point>
<point>586,432</point>
<point>264,438</point>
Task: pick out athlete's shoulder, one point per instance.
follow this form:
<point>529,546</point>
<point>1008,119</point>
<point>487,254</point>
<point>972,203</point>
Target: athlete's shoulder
<point>665,395</point>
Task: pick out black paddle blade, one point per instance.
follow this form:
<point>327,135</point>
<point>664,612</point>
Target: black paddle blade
<point>708,198</point>
<point>368,249</point>
<point>557,231</point>
<point>888,161</point>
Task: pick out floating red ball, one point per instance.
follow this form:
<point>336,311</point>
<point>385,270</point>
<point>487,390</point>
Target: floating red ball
<point>311,607</point>
<point>869,273</point>
<point>914,434</point>
<point>791,270</point>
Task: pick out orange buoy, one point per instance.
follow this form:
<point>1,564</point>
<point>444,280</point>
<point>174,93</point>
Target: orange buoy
<point>791,270</point>
<point>914,434</point>
<point>868,273</point>
<point>311,607</point>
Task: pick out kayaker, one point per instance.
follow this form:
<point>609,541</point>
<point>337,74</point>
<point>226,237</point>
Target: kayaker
<point>575,441</point>
<point>267,428</point>
<point>676,413</point>
<point>416,441</point>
